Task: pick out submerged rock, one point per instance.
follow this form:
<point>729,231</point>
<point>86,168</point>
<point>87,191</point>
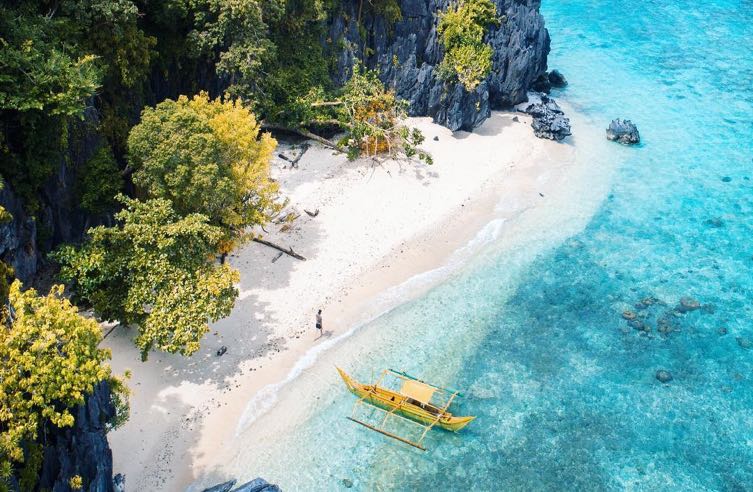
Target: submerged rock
<point>688,304</point>
<point>722,331</point>
<point>347,483</point>
<point>629,315</point>
<point>549,121</point>
<point>221,351</point>
<point>664,376</point>
<point>624,132</point>
<point>745,343</point>
<point>557,79</point>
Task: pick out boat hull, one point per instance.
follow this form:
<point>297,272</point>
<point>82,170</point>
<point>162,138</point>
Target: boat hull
<point>389,400</point>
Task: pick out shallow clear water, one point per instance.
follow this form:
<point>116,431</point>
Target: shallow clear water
<point>564,389</point>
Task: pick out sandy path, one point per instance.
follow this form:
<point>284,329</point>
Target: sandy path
<point>378,225</point>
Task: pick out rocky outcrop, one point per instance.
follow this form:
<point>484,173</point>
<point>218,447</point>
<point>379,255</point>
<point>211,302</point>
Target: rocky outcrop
<point>407,53</point>
<point>82,449</point>
<point>556,79</point>
<point>624,132</point>
<point>25,239</point>
<point>549,121</point>
<point>255,485</point>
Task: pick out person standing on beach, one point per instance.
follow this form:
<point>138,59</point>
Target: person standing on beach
<point>319,322</point>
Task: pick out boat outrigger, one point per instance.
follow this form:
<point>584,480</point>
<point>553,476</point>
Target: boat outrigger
<point>412,401</point>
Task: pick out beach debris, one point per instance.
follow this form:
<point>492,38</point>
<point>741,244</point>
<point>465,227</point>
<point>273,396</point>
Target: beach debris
<point>436,138</point>
<point>294,162</point>
<point>312,214</point>
<point>556,79</point>
<point>664,376</point>
<point>277,257</point>
<point>549,121</point>
<point>541,195</point>
<point>629,315</point>
<point>288,251</point>
<point>623,131</point>
<point>221,351</point>
<point>347,483</point>
<point>687,304</point>
<point>745,343</point>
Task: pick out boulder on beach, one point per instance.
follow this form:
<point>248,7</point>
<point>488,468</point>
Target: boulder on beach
<point>624,132</point>
<point>549,121</point>
<point>556,79</point>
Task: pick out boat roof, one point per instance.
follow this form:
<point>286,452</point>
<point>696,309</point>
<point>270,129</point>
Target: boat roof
<point>417,390</point>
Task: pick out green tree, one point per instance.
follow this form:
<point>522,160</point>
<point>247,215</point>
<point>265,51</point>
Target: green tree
<point>99,181</point>
<point>154,269</point>
<point>462,29</point>
<point>49,361</point>
<point>206,156</point>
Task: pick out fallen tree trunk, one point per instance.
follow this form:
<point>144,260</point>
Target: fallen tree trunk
<point>303,133</point>
<point>288,251</point>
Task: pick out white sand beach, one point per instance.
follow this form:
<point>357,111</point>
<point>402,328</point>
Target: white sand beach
<point>378,225</point>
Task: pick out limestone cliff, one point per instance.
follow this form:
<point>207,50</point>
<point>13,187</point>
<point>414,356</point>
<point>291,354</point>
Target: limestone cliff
<point>407,52</point>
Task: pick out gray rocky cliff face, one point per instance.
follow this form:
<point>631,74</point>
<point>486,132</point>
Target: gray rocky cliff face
<point>79,450</point>
<point>25,238</point>
<point>406,55</point>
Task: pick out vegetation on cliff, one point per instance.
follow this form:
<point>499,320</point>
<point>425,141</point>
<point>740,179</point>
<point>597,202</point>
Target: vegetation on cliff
<point>462,28</point>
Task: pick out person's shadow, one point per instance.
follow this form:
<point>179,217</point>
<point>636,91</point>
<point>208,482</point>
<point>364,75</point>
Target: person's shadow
<point>325,334</point>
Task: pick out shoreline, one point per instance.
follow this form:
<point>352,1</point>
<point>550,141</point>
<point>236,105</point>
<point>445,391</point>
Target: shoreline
<point>195,406</point>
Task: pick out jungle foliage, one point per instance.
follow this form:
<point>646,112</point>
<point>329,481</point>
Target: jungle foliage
<point>467,59</point>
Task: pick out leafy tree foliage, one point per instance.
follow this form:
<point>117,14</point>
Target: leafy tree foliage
<point>99,182</point>
<point>154,269</point>
<point>462,29</point>
<point>206,156</point>
<point>50,362</point>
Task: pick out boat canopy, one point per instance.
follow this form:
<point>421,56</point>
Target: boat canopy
<point>418,391</point>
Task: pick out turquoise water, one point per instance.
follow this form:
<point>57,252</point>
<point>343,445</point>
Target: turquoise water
<point>564,389</point>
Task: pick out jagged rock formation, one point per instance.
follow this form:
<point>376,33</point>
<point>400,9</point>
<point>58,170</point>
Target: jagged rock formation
<point>407,53</point>
<point>624,132</point>
<point>79,450</point>
<point>255,485</point>
<point>61,219</point>
<point>549,121</point>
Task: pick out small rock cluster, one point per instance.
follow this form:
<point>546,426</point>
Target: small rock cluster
<point>255,485</point>
<point>624,132</point>
<point>549,121</point>
<point>546,81</point>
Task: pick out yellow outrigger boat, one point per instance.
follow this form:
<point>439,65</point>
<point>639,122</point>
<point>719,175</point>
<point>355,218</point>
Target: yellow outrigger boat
<point>412,400</point>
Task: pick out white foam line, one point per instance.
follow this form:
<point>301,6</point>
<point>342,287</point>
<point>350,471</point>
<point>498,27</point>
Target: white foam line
<point>264,399</point>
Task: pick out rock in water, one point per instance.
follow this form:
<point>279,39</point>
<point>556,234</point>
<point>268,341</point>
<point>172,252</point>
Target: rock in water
<point>623,131</point>
<point>542,84</point>
<point>549,121</point>
<point>556,79</point>
<point>221,351</point>
<point>663,376</point>
<point>744,342</point>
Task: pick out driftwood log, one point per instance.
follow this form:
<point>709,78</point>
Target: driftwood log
<point>288,251</point>
<point>312,214</point>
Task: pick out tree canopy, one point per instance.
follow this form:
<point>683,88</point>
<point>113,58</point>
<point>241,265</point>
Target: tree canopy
<point>154,269</point>
<point>462,29</point>
<point>50,360</point>
<point>205,156</point>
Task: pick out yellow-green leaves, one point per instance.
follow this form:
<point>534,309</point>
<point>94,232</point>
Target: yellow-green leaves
<point>467,58</point>
<point>154,269</point>
<point>205,156</point>
<point>50,362</point>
